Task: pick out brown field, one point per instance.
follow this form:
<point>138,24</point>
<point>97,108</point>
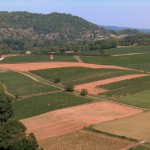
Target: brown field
<point>83,140</point>
<point>92,86</point>
<point>137,126</point>
<point>74,118</point>
<point>46,65</point>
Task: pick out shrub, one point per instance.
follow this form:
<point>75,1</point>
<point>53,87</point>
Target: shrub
<point>84,92</point>
<point>69,88</point>
<point>57,80</point>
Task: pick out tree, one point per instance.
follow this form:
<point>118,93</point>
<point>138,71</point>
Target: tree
<point>13,137</point>
<point>84,92</point>
<point>69,88</point>
<point>12,132</point>
<point>6,110</point>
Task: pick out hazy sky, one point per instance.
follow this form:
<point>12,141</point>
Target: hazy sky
<point>128,13</point>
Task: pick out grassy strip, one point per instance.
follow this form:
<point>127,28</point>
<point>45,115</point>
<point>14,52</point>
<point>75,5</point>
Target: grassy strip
<point>141,147</point>
<point>90,128</point>
<point>36,105</point>
<point>20,85</point>
<point>79,75</point>
<point>37,58</point>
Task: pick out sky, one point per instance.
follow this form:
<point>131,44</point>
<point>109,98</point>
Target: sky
<point>125,13</point>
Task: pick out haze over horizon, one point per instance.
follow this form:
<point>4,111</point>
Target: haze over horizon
<point>129,13</point>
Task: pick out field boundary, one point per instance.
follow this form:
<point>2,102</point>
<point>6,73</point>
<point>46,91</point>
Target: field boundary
<point>90,128</point>
<point>33,78</point>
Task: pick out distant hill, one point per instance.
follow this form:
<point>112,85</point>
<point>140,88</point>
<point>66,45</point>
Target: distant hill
<point>116,28</point>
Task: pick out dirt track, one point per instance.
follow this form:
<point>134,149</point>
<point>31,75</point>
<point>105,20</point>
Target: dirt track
<point>74,118</point>
<point>92,86</point>
<point>46,65</point>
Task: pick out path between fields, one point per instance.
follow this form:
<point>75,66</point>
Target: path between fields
<point>129,54</point>
<point>92,87</point>
<point>78,58</point>
<point>45,65</point>
<point>74,118</point>
<point>37,80</point>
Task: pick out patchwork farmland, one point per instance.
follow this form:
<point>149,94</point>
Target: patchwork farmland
<point>117,105</point>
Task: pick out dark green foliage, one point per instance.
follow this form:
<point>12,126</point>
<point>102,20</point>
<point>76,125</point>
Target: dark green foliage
<point>69,88</point>
<point>57,80</point>
<point>13,137</point>
<point>84,92</point>
<point>140,39</point>
<point>6,111</point>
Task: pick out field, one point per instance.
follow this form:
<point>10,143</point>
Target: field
<point>79,75</point>
<point>139,62</point>
<point>127,87</point>
<point>57,118</point>
<point>136,127</point>
<point>50,65</point>
<point>128,50</point>
<point>37,58</point>
<point>36,105</point>
<point>74,118</point>
<point>141,99</point>
<point>18,84</point>
<point>84,140</point>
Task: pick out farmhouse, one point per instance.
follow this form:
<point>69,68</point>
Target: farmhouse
<point>28,53</point>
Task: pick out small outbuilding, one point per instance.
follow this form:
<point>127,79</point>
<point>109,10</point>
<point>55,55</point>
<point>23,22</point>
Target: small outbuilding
<point>28,53</point>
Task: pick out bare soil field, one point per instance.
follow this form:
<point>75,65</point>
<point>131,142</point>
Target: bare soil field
<point>136,127</point>
<point>74,118</point>
<point>92,87</point>
<point>84,140</point>
<point>46,65</point>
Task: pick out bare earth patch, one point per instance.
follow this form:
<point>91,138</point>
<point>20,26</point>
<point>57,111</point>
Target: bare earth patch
<point>84,140</point>
<point>92,86</point>
<point>74,118</point>
<point>46,65</point>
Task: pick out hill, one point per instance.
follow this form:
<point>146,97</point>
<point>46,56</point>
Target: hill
<point>117,28</point>
<point>20,30</point>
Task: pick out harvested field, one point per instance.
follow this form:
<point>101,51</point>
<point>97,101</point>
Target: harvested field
<point>93,86</point>
<point>71,119</point>
<point>83,140</point>
<point>136,127</point>
<point>44,65</point>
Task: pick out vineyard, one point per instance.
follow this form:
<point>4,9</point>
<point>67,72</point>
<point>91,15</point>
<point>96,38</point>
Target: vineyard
<point>79,75</point>
<point>127,87</point>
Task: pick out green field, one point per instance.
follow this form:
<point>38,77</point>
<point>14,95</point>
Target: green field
<point>79,75</point>
<point>128,50</point>
<point>37,58</point>
<point>141,99</point>
<point>40,104</point>
<point>18,84</point>
<point>135,127</point>
<point>127,87</point>
<point>140,62</point>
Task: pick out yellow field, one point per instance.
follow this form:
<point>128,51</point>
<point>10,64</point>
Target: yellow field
<point>136,127</point>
